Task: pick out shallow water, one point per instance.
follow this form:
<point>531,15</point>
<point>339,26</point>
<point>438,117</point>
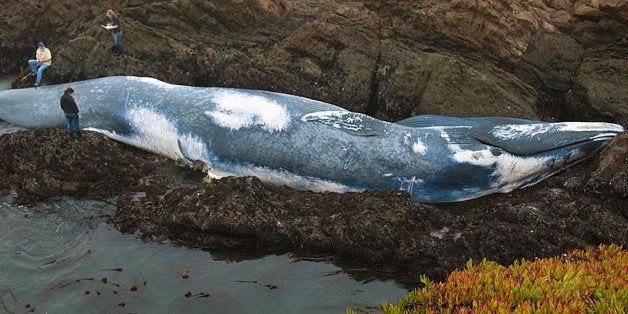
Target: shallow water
<point>62,257</point>
<point>5,82</point>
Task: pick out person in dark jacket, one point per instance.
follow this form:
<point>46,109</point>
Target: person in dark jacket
<point>71,112</point>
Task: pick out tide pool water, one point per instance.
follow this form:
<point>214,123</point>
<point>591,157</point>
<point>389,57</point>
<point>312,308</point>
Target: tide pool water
<point>5,82</point>
<point>62,257</point>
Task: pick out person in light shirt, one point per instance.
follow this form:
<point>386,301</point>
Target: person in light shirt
<point>43,59</point>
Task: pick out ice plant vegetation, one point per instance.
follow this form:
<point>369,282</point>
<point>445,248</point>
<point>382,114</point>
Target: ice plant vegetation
<point>594,280</point>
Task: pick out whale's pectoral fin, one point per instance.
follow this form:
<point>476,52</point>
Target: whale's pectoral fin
<point>193,163</point>
<point>349,122</point>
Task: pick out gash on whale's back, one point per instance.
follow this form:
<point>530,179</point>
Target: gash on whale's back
<point>309,144</point>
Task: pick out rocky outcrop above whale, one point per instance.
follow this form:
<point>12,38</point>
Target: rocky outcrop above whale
<point>561,60</point>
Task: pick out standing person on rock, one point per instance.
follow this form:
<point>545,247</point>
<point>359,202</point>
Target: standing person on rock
<point>71,111</point>
<point>114,26</point>
<point>43,59</point>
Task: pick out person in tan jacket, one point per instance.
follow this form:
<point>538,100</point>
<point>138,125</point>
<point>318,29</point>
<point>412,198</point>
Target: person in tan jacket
<point>43,59</point>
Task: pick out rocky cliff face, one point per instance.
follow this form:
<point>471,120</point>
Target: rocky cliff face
<point>547,59</point>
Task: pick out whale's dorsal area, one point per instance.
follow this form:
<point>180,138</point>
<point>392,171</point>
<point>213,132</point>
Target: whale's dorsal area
<point>313,145</point>
<point>424,121</point>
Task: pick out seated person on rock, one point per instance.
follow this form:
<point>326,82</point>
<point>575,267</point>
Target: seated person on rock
<point>43,59</point>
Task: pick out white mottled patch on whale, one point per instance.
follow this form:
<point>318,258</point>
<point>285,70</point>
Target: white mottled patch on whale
<point>509,131</point>
<point>508,168</point>
<point>236,110</point>
<point>419,147</point>
<point>283,177</point>
<point>589,126</point>
<point>153,132</point>
<point>335,118</point>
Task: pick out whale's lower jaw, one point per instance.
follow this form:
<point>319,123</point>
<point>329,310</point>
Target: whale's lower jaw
<point>498,180</point>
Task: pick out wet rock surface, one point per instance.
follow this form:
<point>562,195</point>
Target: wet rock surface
<point>382,230</point>
<point>43,163</point>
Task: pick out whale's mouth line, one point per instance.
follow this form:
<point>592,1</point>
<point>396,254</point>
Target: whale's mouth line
<point>601,137</point>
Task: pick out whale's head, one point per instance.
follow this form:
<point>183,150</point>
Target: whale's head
<point>535,138</point>
<point>520,155</point>
<point>492,154</point>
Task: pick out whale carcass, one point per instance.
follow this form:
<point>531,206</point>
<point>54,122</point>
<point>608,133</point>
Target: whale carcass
<point>308,144</point>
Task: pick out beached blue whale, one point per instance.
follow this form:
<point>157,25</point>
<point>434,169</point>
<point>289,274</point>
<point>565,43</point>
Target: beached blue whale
<point>314,145</point>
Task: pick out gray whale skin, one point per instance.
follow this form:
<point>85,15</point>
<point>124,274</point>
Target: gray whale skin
<point>312,145</point>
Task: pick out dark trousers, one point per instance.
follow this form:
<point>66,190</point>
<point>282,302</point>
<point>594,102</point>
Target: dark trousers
<point>73,122</point>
